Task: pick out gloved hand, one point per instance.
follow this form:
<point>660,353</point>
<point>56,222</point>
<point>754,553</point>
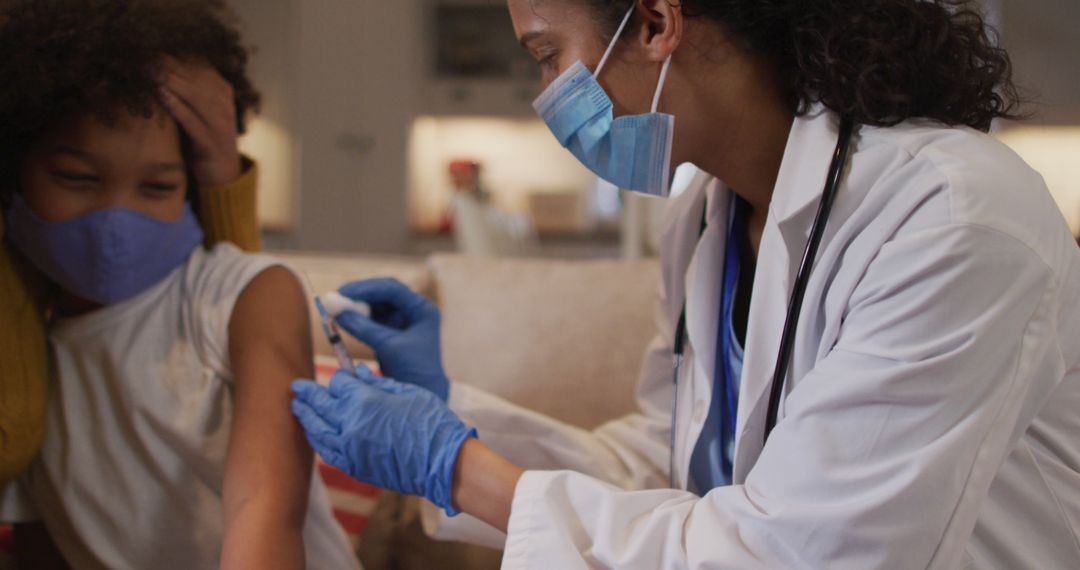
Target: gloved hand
<point>403,329</point>
<point>383,432</point>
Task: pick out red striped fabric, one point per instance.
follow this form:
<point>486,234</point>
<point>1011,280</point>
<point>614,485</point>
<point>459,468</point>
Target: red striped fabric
<point>7,541</point>
<point>337,479</point>
<point>354,525</point>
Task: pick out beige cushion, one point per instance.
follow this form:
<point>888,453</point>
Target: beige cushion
<point>328,272</point>
<point>565,338</point>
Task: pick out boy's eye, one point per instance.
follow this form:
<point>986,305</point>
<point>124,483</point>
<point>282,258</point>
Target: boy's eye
<point>69,176</point>
<point>161,187</point>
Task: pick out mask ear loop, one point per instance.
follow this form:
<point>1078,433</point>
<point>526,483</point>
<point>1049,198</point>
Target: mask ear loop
<point>611,48</point>
<point>615,40</point>
<point>660,84</point>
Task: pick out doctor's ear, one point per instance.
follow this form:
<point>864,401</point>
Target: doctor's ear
<point>661,27</point>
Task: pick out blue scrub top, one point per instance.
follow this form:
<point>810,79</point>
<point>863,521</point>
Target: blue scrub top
<point>714,454</point>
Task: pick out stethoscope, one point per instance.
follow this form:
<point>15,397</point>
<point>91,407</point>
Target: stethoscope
<point>802,279</point>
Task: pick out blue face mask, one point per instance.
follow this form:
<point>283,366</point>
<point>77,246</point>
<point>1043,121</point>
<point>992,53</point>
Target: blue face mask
<point>106,256</point>
<point>632,152</point>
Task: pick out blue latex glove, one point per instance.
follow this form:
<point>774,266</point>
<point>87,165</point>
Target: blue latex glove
<point>383,432</point>
<point>403,330</point>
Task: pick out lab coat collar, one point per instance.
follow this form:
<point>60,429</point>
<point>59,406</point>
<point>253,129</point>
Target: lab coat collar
<point>799,186</point>
<point>703,279</point>
<point>805,166</point>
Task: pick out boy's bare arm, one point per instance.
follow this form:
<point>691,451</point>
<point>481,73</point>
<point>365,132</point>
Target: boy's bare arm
<point>269,465</point>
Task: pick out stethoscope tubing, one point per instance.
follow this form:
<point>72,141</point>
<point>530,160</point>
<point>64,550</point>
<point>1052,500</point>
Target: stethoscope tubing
<point>802,279</point>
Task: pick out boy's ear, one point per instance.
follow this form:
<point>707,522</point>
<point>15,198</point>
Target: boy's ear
<point>187,152</point>
<point>192,196</point>
<point>11,177</point>
<point>5,203</point>
<point>7,193</point>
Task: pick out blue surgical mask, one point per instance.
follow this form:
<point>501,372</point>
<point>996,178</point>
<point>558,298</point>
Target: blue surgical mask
<point>632,152</point>
<point>106,256</point>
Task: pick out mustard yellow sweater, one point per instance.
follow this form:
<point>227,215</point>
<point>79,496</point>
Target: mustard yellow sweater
<point>227,213</point>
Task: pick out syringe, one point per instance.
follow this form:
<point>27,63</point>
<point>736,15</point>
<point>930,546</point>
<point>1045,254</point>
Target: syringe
<point>330,328</point>
<point>333,335</point>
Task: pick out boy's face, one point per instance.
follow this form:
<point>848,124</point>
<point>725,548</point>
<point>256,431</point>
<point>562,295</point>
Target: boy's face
<point>86,165</point>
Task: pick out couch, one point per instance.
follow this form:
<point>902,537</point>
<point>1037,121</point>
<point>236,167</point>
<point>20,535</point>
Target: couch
<point>530,331</point>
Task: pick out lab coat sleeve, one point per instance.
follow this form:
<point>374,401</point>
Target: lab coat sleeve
<point>884,451</point>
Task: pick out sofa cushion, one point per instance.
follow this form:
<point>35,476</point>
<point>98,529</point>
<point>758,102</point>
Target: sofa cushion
<point>565,338</point>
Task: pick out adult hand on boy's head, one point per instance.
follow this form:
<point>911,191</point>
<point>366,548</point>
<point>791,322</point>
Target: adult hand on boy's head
<point>204,105</point>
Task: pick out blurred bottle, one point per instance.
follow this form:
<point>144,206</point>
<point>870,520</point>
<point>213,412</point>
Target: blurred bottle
<point>480,228</point>
<point>466,217</point>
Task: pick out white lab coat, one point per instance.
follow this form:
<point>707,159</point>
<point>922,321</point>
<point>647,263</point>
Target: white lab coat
<point>931,413</point>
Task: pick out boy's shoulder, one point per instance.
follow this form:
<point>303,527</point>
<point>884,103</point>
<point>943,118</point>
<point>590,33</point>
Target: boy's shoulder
<point>213,281</point>
<point>223,269</point>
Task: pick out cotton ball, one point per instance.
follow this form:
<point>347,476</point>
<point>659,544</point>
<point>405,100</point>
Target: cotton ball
<point>336,303</point>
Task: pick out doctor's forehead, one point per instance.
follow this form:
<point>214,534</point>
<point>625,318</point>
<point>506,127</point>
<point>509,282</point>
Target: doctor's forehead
<point>534,18</point>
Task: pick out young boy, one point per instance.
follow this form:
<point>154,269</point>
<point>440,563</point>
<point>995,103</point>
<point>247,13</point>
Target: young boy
<point>169,443</point>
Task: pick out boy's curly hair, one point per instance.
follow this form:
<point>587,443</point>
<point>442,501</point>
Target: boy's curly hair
<point>61,58</point>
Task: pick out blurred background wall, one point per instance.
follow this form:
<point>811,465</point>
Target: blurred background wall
<point>369,102</point>
<point>1043,37</point>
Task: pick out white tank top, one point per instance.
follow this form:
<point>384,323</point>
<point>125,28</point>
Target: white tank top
<point>131,471</point>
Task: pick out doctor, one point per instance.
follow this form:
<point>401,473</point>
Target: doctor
<point>867,353</point>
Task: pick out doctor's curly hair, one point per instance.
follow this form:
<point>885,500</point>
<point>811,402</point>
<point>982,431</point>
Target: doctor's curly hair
<point>63,58</point>
<point>879,62</point>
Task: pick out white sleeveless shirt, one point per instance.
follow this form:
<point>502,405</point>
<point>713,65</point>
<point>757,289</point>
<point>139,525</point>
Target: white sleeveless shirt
<point>130,474</point>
